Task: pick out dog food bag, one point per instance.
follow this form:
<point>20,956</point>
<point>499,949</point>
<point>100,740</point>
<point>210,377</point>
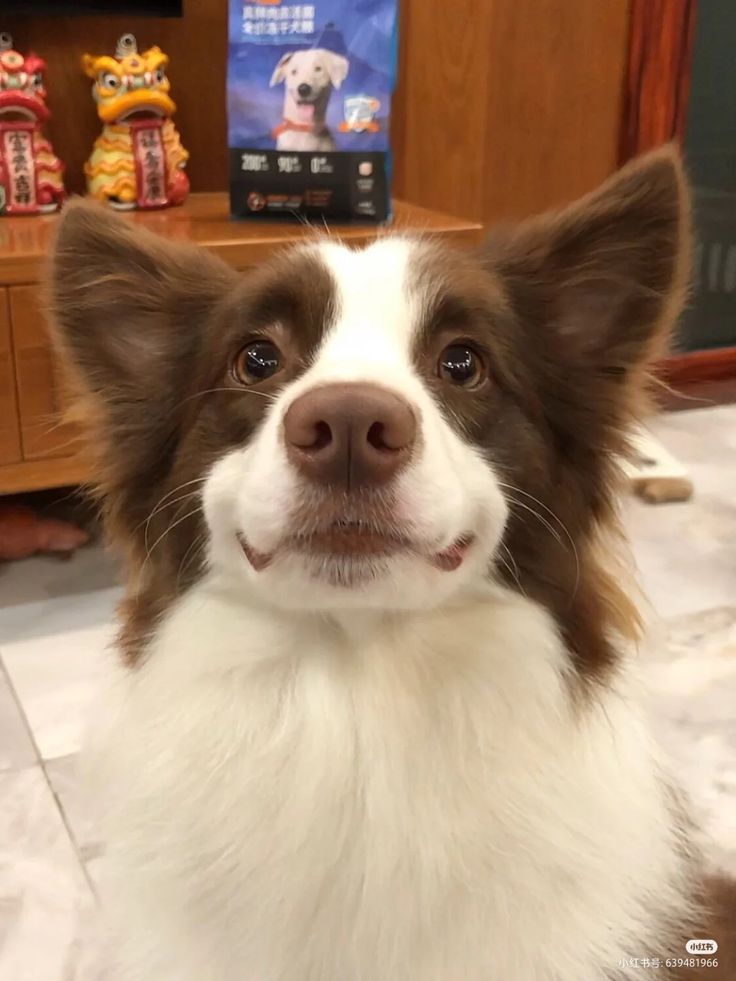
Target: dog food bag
<point>309,93</point>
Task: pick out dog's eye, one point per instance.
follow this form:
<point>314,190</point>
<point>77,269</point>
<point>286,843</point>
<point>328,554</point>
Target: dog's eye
<point>460,365</point>
<point>318,68</point>
<point>257,361</point>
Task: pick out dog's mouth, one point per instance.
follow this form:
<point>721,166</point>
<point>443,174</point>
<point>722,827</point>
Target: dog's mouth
<point>305,109</point>
<point>357,542</point>
<point>350,537</point>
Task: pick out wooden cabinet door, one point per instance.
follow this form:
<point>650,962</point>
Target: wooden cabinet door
<point>40,388</point>
<point>10,450</point>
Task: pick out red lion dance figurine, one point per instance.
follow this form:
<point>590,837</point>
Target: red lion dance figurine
<point>30,173</point>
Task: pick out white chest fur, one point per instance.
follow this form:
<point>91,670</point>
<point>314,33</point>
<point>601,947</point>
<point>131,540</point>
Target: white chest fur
<point>416,800</point>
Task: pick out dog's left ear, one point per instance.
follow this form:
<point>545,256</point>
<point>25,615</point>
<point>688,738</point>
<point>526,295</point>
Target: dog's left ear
<point>279,72</point>
<point>600,283</point>
<point>128,314</point>
<point>337,68</point>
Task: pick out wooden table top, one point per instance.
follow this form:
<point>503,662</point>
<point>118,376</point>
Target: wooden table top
<point>205,220</point>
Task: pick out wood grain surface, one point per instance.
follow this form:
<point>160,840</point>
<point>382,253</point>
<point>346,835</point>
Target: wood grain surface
<point>204,219</point>
<point>507,107</point>
<point>10,449</point>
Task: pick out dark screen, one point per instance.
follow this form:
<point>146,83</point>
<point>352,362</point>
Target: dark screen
<point>66,8</point>
<point>710,151</point>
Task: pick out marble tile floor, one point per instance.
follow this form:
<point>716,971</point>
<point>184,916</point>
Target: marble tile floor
<point>55,631</point>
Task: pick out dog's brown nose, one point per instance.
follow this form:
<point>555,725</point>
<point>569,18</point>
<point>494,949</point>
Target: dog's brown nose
<point>349,435</point>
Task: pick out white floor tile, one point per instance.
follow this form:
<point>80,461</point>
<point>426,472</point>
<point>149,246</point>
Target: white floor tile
<point>692,679</point>
<point>700,436</point>
<point>45,900</point>
<point>57,615</point>
<point>686,552</point>
<point>56,666</point>
<point>16,747</point>
<point>45,576</point>
<point>66,782</point>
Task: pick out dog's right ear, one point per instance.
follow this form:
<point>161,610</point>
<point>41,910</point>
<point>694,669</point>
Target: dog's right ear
<point>279,72</point>
<point>127,312</point>
<point>596,289</point>
<point>338,69</point>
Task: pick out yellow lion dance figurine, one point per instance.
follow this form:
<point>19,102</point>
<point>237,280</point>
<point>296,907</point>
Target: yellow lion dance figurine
<point>138,160</point>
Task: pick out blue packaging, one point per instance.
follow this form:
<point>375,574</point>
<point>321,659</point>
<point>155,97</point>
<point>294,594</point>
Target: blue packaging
<point>309,100</point>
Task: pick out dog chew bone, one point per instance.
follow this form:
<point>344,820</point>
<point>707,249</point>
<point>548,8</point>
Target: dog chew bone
<point>653,473</point>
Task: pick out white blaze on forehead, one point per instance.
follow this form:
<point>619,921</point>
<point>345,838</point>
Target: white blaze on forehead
<point>377,308</point>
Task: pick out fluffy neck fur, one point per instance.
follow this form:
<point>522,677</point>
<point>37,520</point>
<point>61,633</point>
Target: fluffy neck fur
<point>383,803</point>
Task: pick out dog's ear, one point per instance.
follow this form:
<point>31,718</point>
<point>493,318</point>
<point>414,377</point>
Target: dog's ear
<point>127,312</point>
<point>279,72</point>
<point>601,282</point>
<point>337,68</point>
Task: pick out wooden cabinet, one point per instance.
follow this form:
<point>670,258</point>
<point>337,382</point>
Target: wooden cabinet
<point>43,431</point>
<point>10,448</point>
<point>37,447</point>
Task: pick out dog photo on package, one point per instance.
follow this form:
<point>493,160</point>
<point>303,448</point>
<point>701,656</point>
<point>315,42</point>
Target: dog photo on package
<point>309,89</point>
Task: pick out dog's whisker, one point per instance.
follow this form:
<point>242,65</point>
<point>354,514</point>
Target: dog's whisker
<point>169,528</point>
<point>542,520</point>
<point>517,490</point>
<point>157,507</point>
<point>193,552</point>
<point>231,391</point>
<point>174,490</point>
<point>164,507</point>
<point>184,498</point>
<point>560,522</point>
<point>513,568</point>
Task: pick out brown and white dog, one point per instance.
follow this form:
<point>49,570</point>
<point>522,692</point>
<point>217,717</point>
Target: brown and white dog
<point>377,717</point>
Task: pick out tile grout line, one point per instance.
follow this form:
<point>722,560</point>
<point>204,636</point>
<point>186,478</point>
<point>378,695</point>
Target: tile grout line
<point>4,673</point>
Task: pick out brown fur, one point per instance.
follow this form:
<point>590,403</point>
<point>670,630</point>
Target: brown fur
<point>567,310</point>
<point>719,898</point>
<point>715,919</point>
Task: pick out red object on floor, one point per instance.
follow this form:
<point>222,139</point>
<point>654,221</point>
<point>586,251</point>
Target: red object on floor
<point>24,533</point>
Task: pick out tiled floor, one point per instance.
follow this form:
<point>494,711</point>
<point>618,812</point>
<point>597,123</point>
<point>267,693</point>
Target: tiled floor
<point>55,628</point>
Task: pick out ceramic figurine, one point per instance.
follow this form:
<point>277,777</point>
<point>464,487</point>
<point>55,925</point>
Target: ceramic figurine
<point>138,160</point>
<point>31,175</point>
